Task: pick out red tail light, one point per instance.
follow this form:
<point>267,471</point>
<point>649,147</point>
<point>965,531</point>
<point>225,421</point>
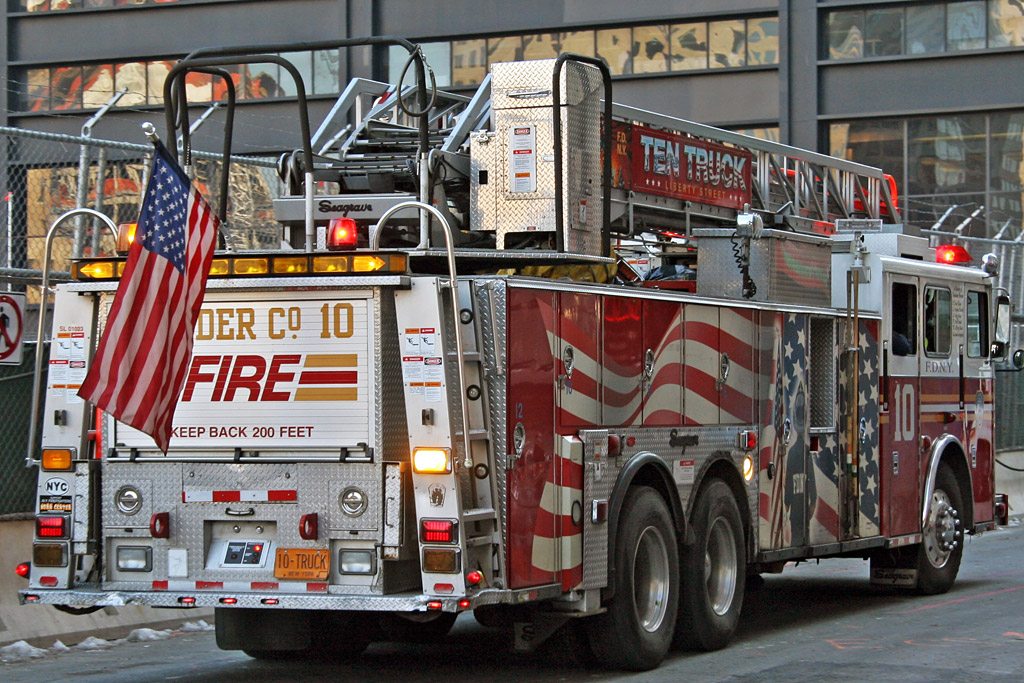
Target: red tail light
<point>342,233</point>
<point>439,531</point>
<point>952,254</point>
<point>52,527</point>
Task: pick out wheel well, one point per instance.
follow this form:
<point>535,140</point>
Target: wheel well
<point>649,475</point>
<point>644,470</point>
<point>723,469</point>
<point>954,457</point>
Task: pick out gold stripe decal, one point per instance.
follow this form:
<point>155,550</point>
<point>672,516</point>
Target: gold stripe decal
<point>331,360</point>
<point>326,394</point>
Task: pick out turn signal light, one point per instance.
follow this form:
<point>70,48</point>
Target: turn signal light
<point>431,461</point>
<point>342,233</point>
<point>57,459</point>
<point>440,560</point>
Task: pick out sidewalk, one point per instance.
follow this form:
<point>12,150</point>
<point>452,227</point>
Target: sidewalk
<point>40,625</point>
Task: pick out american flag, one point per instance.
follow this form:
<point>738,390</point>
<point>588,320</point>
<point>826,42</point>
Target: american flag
<point>140,363</point>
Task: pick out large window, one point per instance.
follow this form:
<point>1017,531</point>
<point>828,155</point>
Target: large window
<point>71,87</point>
<point>919,29</point>
<point>648,49</point>
<point>946,167</point>
<point>59,5</point>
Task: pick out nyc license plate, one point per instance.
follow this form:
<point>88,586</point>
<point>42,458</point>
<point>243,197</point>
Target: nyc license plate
<point>306,564</point>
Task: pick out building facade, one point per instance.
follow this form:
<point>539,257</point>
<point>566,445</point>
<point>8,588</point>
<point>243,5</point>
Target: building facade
<point>930,90</point>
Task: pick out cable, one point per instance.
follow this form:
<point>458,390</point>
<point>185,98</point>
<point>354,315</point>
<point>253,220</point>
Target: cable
<point>1015,469</point>
<point>433,85</point>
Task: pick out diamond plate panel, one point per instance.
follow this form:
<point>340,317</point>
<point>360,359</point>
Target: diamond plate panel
<point>491,296</point>
<point>482,201</point>
<point>599,478</point>
<point>390,426</point>
<point>709,444</point>
<point>522,96</point>
<point>393,505</point>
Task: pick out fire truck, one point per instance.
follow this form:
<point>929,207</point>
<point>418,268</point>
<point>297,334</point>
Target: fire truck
<point>533,354</point>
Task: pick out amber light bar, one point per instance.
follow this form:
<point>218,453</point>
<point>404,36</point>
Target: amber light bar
<point>266,265</point>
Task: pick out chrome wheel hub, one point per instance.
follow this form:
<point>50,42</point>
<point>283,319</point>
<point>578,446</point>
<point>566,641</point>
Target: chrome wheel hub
<point>720,566</point>
<point>650,579</point>
<point>943,534</point>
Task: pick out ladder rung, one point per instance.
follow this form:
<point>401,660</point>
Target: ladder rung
<point>477,515</point>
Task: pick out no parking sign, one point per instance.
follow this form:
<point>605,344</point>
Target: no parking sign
<point>12,327</point>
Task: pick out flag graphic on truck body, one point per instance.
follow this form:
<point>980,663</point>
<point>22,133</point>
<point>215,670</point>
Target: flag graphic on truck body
<point>141,360</point>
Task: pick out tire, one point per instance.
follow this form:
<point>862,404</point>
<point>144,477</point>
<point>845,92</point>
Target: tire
<point>713,572</point>
<point>342,636</point>
<point>398,628</point>
<point>940,552</point>
<point>635,631</point>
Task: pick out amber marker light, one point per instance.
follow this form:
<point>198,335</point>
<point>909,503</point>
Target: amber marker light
<point>431,461</point>
<point>125,237</point>
<point>57,459</point>
<point>250,266</point>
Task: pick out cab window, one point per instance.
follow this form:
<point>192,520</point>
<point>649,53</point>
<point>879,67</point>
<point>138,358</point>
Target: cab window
<point>977,324</point>
<point>904,319</point>
<point>937,328</point>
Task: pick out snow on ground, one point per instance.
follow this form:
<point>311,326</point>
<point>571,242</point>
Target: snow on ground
<point>22,651</point>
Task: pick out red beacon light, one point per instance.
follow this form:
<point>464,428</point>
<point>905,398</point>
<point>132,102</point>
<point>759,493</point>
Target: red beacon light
<point>952,254</point>
<point>342,233</point>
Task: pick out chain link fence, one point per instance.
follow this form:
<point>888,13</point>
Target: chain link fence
<point>42,176</point>
<point>17,482</point>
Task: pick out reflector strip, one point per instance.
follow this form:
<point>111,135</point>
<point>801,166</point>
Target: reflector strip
<point>240,586</point>
<point>265,496</point>
<point>209,585</point>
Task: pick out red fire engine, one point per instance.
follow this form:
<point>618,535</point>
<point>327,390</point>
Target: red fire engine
<point>539,356</point>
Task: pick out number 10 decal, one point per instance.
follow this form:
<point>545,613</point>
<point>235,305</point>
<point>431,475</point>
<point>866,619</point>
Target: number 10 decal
<point>903,413</point>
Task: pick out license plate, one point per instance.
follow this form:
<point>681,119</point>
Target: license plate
<point>302,563</point>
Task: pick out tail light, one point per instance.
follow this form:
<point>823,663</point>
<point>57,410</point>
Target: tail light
<point>342,233</point>
<point>57,526</point>
<point>439,531</point>
<point>23,569</point>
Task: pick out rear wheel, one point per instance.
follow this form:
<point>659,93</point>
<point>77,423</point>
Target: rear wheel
<point>713,572</point>
<point>938,556</point>
<point>636,630</point>
<point>417,627</point>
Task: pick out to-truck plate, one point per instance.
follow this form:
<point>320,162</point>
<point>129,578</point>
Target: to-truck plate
<point>307,564</point>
